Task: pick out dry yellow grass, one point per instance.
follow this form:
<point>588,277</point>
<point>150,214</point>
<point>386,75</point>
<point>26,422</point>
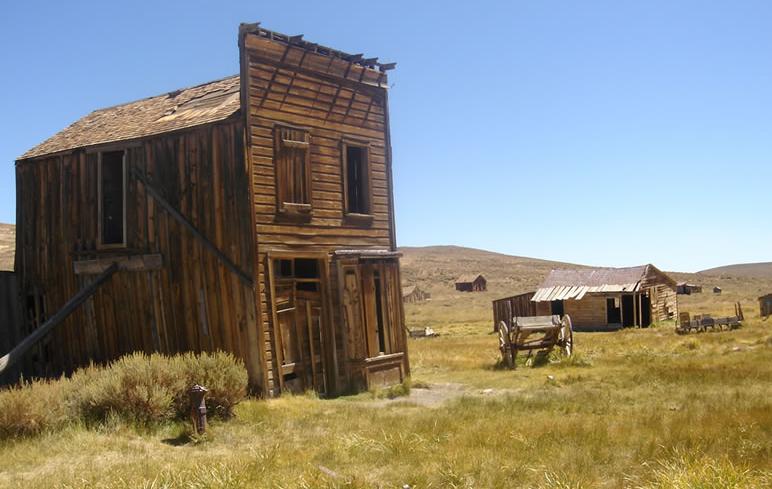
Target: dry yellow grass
<point>637,408</point>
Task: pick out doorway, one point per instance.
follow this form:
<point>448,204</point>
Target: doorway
<point>628,310</point>
<point>298,310</point>
<point>613,311</point>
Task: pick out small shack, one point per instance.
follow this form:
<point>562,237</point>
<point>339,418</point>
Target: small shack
<point>413,293</point>
<point>717,290</point>
<point>610,298</point>
<point>685,288</point>
<point>471,282</point>
<point>765,306</point>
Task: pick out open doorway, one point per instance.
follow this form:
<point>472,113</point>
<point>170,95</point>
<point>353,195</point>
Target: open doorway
<point>613,311</point>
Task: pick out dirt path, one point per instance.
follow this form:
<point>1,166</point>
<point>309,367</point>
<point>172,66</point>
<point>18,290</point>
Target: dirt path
<point>435,395</point>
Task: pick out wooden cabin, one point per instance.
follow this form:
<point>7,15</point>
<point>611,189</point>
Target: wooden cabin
<point>765,305</point>
<point>685,288</point>
<point>610,298</point>
<point>413,294</point>
<point>717,290</point>
<point>471,283</point>
<point>253,214</point>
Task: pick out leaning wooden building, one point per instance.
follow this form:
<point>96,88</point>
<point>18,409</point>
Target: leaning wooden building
<point>610,298</point>
<point>253,214</point>
<point>471,282</point>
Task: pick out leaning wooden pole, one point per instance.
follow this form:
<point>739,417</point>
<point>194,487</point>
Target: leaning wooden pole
<point>13,356</point>
<point>156,194</point>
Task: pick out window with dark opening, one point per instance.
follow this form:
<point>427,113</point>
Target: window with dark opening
<point>293,169</point>
<point>112,202</point>
<point>357,179</point>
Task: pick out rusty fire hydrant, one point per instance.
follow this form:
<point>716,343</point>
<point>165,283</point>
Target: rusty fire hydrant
<point>198,407</point>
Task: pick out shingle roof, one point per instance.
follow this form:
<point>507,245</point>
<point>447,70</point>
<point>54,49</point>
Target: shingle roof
<point>202,104</point>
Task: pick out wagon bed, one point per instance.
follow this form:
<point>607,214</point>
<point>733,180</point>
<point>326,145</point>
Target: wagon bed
<point>540,334</point>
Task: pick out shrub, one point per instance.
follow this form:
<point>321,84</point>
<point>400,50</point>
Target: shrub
<point>221,373</point>
<point>137,388</point>
<point>33,408</point>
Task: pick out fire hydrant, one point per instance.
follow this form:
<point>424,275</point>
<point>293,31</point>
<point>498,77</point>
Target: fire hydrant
<point>198,407</point>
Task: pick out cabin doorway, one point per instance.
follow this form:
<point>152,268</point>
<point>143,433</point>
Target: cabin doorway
<point>628,310</point>
<point>613,311</point>
<point>298,298</point>
<point>557,309</point>
<point>645,311</point>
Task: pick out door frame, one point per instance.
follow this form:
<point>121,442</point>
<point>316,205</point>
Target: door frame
<point>328,354</point>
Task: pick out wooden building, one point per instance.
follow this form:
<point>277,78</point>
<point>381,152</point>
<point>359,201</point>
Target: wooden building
<point>765,305</point>
<point>685,288</point>
<point>471,283</point>
<point>610,298</point>
<point>253,214</point>
<point>717,290</point>
<point>413,293</point>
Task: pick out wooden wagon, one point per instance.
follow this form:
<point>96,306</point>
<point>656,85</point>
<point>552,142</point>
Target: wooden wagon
<point>702,322</point>
<point>540,334</point>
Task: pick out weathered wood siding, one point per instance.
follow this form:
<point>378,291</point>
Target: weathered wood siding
<point>590,312</point>
<point>11,319</point>
<point>664,302</point>
<point>333,100</point>
<point>192,303</point>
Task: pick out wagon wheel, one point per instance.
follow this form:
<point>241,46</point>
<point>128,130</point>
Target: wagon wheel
<point>505,345</point>
<point>566,336</point>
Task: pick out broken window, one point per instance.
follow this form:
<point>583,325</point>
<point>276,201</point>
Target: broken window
<point>356,178</point>
<point>293,170</point>
<point>112,198</point>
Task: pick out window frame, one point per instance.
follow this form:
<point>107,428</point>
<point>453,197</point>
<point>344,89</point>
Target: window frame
<point>100,235</point>
<point>285,208</point>
<point>356,218</point>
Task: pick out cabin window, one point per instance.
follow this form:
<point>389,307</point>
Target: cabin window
<point>356,179</point>
<point>112,199</point>
<point>293,170</point>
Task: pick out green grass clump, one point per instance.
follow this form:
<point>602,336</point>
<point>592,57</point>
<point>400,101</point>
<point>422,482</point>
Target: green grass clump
<point>393,391</point>
<point>137,389</point>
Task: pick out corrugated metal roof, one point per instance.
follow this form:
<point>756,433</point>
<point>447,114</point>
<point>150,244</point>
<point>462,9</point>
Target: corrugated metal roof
<point>189,107</point>
<point>563,285</point>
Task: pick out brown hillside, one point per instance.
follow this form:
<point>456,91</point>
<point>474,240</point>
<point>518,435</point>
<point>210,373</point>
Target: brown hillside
<point>7,246</point>
<point>755,270</point>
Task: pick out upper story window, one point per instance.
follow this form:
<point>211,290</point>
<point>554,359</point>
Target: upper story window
<point>356,180</point>
<point>112,199</point>
<point>292,158</point>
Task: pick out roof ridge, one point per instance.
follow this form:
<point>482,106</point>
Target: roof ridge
<point>163,94</point>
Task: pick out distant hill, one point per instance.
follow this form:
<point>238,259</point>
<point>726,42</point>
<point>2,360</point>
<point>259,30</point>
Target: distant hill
<point>439,266</point>
<point>752,270</point>
<point>7,246</point>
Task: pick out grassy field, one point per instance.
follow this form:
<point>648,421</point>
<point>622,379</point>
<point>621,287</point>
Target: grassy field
<point>635,408</point>
<point>638,408</point>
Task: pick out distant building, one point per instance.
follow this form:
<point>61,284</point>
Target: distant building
<point>471,283</point>
<point>610,298</point>
<point>685,288</point>
<point>717,290</point>
<point>765,305</point>
<point>412,294</point>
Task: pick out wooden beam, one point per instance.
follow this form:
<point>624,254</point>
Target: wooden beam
<point>127,263</point>
<point>76,300</point>
<point>190,227</point>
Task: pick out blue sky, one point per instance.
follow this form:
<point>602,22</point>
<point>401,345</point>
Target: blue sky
<point>598,132</point>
